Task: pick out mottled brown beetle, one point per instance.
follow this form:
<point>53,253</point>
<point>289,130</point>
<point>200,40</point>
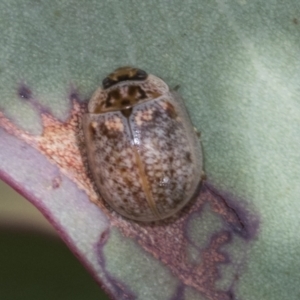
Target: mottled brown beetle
<point>143,151</point>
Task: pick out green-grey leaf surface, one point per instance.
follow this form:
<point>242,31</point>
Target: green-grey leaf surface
<point>237,64</point>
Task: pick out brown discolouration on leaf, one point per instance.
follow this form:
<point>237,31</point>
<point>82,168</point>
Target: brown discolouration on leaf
<point>60,142</point>
<point>168,241</point>
<point>63,144</point>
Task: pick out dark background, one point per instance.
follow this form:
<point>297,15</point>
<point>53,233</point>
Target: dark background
<point>34,262</point>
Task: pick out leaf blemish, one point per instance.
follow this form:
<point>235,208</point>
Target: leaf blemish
<point>56,182</point>
<point>104,236</point>
<point>74,94</point>
<point>237,218</point>
<point>24,92</point>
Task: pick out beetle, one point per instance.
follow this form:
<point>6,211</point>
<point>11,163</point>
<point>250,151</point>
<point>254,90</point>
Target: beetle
<point>143,151</point>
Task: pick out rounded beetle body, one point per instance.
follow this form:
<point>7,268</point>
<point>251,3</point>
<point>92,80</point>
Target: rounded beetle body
<point>143,151</point>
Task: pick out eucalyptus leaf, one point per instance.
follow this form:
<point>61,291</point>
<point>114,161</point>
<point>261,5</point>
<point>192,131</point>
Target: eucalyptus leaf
<point>237,64</point>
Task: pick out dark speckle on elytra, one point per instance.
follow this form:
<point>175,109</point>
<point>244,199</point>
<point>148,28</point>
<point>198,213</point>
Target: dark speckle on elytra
<point>295,21</point>
<point>24,92</point>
